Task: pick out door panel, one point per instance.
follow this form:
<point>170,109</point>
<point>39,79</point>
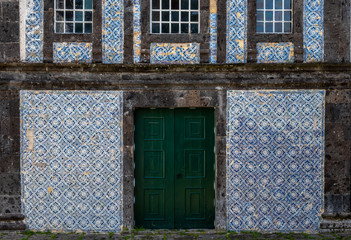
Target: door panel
<point>174,168</point>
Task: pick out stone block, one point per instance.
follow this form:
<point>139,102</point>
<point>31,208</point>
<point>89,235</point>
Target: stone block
<point>10,184</point>
<point>10,11</point>
<point>333,203</point>
<point>9,32</point>
<point>10,205</point>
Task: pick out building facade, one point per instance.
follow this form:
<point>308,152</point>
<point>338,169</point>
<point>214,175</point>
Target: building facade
<point>224,114</point>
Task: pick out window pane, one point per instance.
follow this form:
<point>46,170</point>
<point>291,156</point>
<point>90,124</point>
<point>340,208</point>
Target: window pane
<point>287,15</point>
<point>175,16</point>
<point>69,27</point>
<point>185,4</point>
<point>69,4</point>
<point>79,4</point>
<point>165,16</point>
<point>287,4</point>
<point>88,4</point>
<point>59,27</point>
<point>79,28</point>
<point>194,28</point>
<point>260,4</point>
<point>79,16</point>
<point>278,27</point>
<point>155,16</point>
<point>194,4</point>
<point>269,27</point>
<point>269,16</point>
<point>260,16</point>
<point>165,4</point>
<point>60,4</point>
<point>155,28</point>
<point>156,4</point>
<point>88,28</point>
<point>278,4</point>
<point>194,16</point>
<point>175,28</point>
<point>175,4</point>
<point>184,28</point>
<point>278,15</point>
<point>60,16</point>
<point>69,16</point>
<point>287,27</point>
<point>185,16</point>
<point>88,16</point>
<point>269,4</point>
<point>259,27</point>
<point>165,28</point>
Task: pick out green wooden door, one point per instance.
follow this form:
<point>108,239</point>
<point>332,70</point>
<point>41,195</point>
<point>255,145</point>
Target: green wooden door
<point>174,168</point>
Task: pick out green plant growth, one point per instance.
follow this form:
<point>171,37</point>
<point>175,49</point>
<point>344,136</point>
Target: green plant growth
<point>53,236</point>
<point>81,236</point>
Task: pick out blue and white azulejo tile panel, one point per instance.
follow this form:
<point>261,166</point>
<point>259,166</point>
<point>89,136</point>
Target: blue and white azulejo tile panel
<point>175,53</point>
<point>73,52</point>
<point>275,159</point>
<point>112,31</point>
<point>136,31</point>
<point>71,160</point>
<point>275,53</point>
<point>34,33</point>
<point>236,31</point>
<point>313,30</point>
<point>213,31</point>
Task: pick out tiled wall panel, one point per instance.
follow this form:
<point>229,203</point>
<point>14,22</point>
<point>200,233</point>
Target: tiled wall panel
<point>175,53</point>
<point>137,31</point>
<point>213,31</point>
<point>275,53</point>
<point>71,160</point>
<point>112,31</point>
<point>275,156</point>
<point>73,52</point>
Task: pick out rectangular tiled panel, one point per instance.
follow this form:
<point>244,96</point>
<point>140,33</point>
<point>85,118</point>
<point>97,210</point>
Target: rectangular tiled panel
<point>136,31</point>
<point>175,53</point>
<point>73,52</point>
<point>71,160</point>
<point>213,31</point>
<point>275,155</point>
<point>275,53</point>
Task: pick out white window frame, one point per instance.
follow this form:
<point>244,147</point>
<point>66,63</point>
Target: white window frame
<point>179,22</point>
<point>274,21</point>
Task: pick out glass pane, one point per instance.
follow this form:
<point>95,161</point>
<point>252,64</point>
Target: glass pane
<point>88,28</point>
<point>165,16</point>
<point>155,4</point>
<point>69,27</point>
<point>185,4</point>
<point>287,4</point>
<point>175,16</point>
<point>287,27</point>
<point>155,28</point>
<point>260,16</point>
<point>260,4</point>
<point>269,27</point>
<point>79,27</point>
<point>194,4</point>
<point>185,16</point>
<point>287,15</point>
<point>278,27</point>
<point>88,16</point>
<point>59,27</point>
<point>175,28</point>
<point>69,15</point>
<point>155,16</point>
<point>79,16</point>
<point>88,4</point>
<point>278,4</point>
<point>269,16</point>
<point>79,4</point>
<point>69,4</point>
<point>184,28</point>
<point>194,16</point>
<point>165,4</point>
<point>278,15</point>
<point>60,4</point>
<point>165,28</point>
<point>269,4</point>
<point>175,4</point>
<point>259,27</point>
<point>60,16</point>
<point>194,28</point>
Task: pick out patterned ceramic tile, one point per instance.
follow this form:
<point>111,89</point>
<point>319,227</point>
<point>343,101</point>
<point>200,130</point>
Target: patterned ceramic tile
<point>275,157</point>
<point>175,53</point>
<point>313,30</point>
<point>34,15</point>
<point>213,31</point>
<point>112,31</point>
<point>236,31</point>
<point>71,160</point>
<point>137,31</point>
<point>73,52</point>
<point>275,52</point>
